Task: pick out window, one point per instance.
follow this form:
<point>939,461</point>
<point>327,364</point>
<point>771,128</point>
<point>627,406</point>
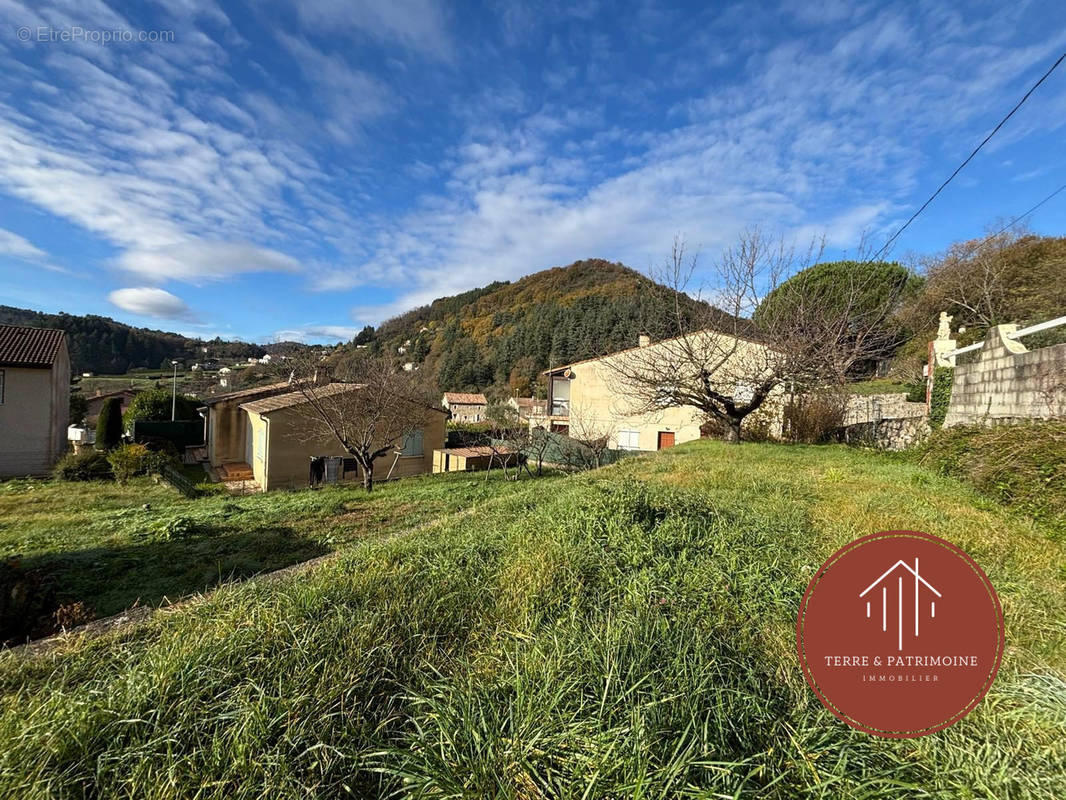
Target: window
<point>412,444</point>
<point>261,444</point>
<point>1,387</point>
<point>628,440</point>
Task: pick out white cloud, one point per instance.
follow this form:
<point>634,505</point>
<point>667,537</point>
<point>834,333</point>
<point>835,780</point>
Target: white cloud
<point>15,246</point>
<point>11,244</point>
<point>197,261</point>
<point>151,302</point>
<point>350,95</point>
<point>418,24</point>
<point>317,333</point>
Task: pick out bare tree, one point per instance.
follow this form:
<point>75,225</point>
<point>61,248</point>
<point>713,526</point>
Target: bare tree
<point>506,439</point>
<point>974,276</point>
<point>369,410</point>
<point>588,439</point>
<point>726,359</point>
<point>538,443</point>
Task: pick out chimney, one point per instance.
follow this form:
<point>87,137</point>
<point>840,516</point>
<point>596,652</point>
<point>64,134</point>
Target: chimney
<point>644,340</point>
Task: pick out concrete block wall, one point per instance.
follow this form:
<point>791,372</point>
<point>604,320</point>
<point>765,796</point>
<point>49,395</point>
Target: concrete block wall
<point>1006,382</point>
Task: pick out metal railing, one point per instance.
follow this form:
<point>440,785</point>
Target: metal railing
<point>178,480</point>
<point>1042,326</point>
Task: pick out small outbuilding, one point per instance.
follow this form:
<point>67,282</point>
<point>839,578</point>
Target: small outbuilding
<point>470,459</point>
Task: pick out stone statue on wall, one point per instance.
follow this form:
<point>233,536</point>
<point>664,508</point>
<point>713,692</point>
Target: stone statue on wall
<point>944,330</point>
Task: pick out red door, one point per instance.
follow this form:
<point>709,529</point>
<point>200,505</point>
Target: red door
<point>666,439</point>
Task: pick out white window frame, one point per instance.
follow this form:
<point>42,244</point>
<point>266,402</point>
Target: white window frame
<point>632,439</point>
<point>409,439</point>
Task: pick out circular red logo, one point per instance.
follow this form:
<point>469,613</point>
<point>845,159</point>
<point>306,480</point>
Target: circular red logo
<point>900,634</point>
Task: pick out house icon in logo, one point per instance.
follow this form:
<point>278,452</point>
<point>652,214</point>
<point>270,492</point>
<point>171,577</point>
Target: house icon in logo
<point>885,582</point>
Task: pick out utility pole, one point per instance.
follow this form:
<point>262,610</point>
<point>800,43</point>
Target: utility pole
<point>174,394</point>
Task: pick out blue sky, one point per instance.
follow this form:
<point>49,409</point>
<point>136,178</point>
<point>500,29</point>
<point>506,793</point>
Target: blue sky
<point>299,169</point>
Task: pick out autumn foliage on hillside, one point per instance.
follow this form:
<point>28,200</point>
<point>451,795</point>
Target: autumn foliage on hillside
<point>505,334</point>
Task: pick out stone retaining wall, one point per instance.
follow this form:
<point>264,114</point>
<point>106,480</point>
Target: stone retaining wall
<point>888,421</point>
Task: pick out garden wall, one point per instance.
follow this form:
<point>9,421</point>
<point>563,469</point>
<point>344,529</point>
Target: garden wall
<point>1006,382</point>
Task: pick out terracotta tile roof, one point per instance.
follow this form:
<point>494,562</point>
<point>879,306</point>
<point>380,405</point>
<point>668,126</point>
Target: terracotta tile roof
<point>269,388</point>
<point>29,347</point>
<point>465,398</point>
<point>290,399</point>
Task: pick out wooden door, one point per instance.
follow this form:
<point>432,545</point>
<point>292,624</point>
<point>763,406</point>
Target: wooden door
<point>666,439</point>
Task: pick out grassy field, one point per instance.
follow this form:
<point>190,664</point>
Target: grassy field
<point>625,633</point>
<point>110,546</point>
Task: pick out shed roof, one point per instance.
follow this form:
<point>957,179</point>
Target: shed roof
<point>22,346</point>
<point>477,450</point>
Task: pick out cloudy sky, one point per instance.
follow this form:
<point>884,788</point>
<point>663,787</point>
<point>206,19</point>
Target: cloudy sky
<point>299,169</point>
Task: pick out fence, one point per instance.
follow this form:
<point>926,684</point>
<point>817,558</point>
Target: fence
<point>566,452</point>
<point>181,433</point>
<point>178,480</point>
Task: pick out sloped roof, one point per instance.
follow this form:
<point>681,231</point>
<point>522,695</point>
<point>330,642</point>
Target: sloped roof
<point>530,403</point>
<point>743,336</point>
<point>465,398</point>
<point>269,388</point>
<point>290,399</point>
<point>22,346</point>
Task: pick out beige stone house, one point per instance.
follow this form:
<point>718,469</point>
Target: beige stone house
<point>465,406</point>
<point>229,440</point>
<point>34,399</point>
<point>587,399</point>
<point>281,443</point>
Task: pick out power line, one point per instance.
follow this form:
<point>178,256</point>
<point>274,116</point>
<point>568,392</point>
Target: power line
<point>1027,213</point>
<point>969,158</point>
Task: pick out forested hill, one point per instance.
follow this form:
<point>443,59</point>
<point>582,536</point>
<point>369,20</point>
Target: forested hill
<point>100,344</point>
<point>505,333</point>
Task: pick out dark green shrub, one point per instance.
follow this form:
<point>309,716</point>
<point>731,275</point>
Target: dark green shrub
<point>109,425</point>
<point>1023,466</point>
<point>88,466</point>
<point>467,434</point>
<point>916,392</point>
<point>940,396</point>
<point>154,405</point>
<point>79,407</point>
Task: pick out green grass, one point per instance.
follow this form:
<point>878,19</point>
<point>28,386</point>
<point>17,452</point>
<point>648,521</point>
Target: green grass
<point>879,386</point>
<point>1021,466</point>
<point>97,544</point>
<point>627,633</point>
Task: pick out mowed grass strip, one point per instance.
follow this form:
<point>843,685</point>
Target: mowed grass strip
<point>621,634</point>
<point>110,546</point>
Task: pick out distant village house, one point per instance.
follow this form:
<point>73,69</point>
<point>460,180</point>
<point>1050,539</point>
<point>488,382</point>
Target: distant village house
<point>464,406</point>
